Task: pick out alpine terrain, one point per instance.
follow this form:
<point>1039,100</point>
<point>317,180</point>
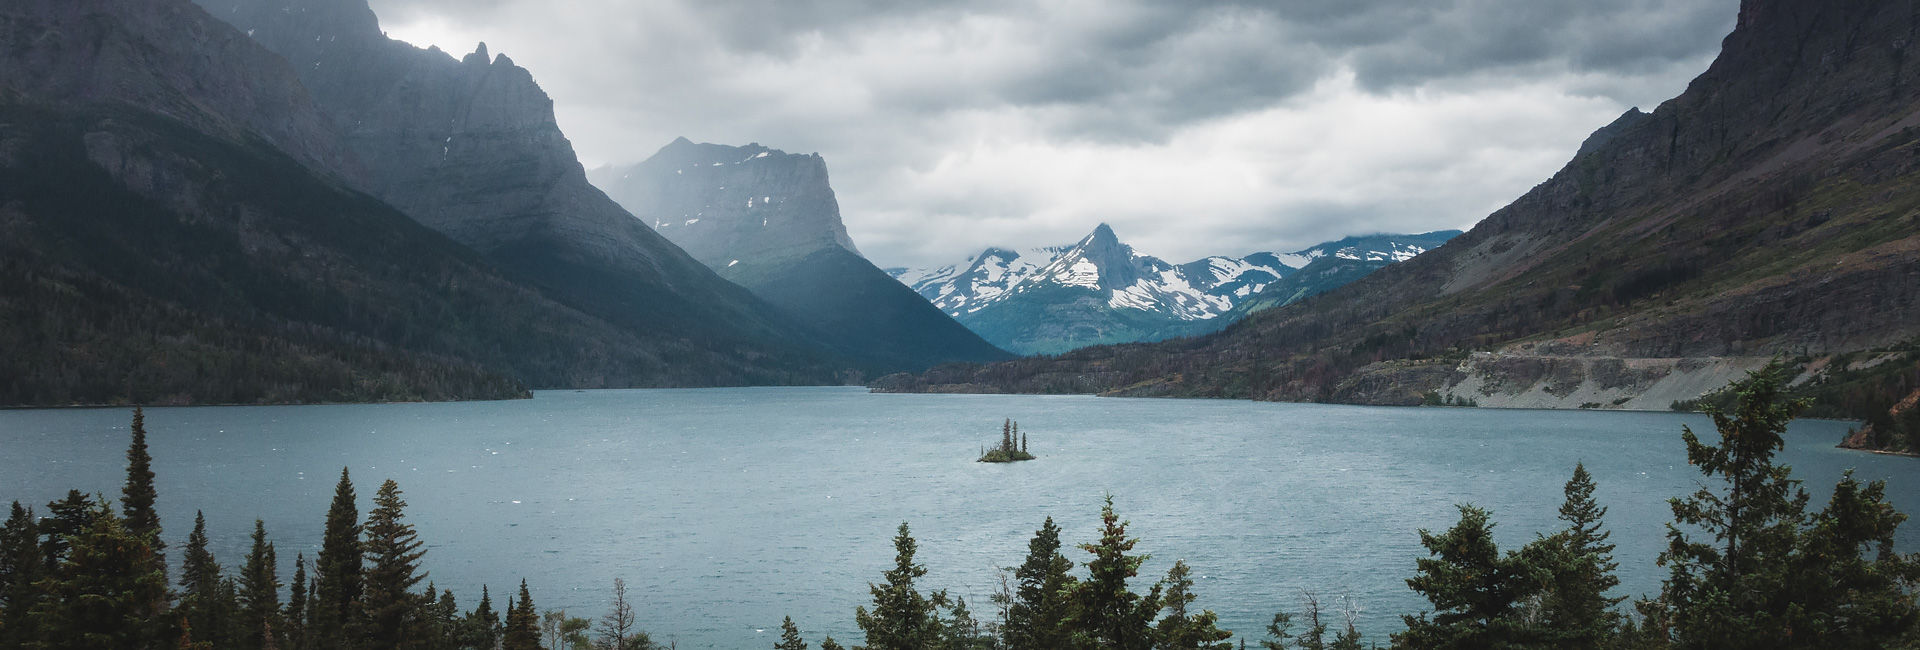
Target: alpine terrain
<point>1772,209</point>
<point>768,220</point>
<point>1099,290</point>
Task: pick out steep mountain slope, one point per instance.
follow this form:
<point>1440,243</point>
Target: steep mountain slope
<point>470,148</point>
<point>1771,208</point>
<point>1050,300</point>
<point>768,220</point>
<point>175,227</point>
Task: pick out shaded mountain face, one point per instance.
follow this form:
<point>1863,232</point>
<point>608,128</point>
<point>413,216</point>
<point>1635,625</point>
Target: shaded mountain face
<point>469,147</point>
<point>190,243</point>
<point>768,220</point>
<point>1772,208</point>
<point>1050,300</point>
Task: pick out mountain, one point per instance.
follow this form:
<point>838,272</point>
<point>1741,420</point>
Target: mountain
<point>469,147</point>
<point>1773,208</point>
<point>768,220</point>
<point>177,226</point>
<point>1051,300</point>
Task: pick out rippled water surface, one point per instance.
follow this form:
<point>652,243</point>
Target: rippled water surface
<point>726,509</point>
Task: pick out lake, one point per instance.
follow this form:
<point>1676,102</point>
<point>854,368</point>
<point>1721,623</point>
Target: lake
<point>725,509</point>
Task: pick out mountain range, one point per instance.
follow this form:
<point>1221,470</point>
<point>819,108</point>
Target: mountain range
<point>1771,209</point>
<point>768,220</point>
<point>1100,290</point>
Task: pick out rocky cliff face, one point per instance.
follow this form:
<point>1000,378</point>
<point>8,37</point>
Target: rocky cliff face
<point>768,220</point>
<point>732,205</point>
<point>1771,208</point>
<point>469,147</point>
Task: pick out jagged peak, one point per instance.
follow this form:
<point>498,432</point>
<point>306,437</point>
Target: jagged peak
<point>478,57</point>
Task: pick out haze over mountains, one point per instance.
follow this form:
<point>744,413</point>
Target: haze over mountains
<point>1771,209</point>
<point>1099,290</point>
<point>768,220</point>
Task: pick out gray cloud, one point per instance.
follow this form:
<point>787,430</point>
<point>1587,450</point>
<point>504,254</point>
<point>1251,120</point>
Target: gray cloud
<point>950,126</point>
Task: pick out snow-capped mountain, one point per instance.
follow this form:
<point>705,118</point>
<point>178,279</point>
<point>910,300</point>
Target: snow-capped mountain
<point>1099,290</point>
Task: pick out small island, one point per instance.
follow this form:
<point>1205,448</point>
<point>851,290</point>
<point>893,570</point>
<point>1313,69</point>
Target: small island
<point>1013,445</point>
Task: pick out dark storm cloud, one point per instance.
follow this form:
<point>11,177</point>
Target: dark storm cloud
<point>952,125</point>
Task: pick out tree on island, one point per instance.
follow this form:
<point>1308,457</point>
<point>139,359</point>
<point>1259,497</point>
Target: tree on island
<point>1013,445</point>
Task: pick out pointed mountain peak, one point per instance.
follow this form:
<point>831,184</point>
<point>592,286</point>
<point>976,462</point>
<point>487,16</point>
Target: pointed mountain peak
<point>479,56</point>
<point>1103,235</point>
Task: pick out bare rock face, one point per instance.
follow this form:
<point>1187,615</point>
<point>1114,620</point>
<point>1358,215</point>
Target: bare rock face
<point>167,57</point>
<point>725,204</point>
<point>470,147</point>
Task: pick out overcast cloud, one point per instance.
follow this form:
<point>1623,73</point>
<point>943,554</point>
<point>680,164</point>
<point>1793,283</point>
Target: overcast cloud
<point>1193,127</point>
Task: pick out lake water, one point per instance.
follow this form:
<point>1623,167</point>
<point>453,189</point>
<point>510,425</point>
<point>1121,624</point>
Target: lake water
<point>726,509</point>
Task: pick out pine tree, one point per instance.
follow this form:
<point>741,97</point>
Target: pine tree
<point>1576,608</point>
<point>335,622</point>
<point>392,611</point>
<point>447,628</point>
<point>1037,617</point>
<point>296,614</point>
<point>1106,615</point>
<point>902,619</point>
<point>1475,591</point>
<point>1179,630</point>
<point>137,497</point>
<point>260,591</point>
<point>522,631</point>
<point>483,624</point>
<point>103,594</point>
<point>1279,633</point>
<point>204,605</point>
<point>789,636</point>
<point>21,568</point>
<point>65,518</point>
<point>1772,576</point>
<point>829,644</point>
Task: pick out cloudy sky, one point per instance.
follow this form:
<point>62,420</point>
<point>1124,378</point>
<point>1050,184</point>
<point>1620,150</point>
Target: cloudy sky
<point>1194,127</point>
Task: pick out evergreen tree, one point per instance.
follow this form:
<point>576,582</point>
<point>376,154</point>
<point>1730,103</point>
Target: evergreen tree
<point>447,628</point>
<point>1037,617</point>
<point>296,615</point>
<point>1772,576</point>
<point>1106,615</point>
<point>137,497</point>
<point>522,631</point>
<point>21,568</point>
<point>205,606</point>
<point>104,592</point>
<point>482,624</point>
<point>392,611</point>
<point>829,644</point>
<point>1475,591</point>
<point>260,591</point>
<point>1179,630</point>
<point>335,622</point>
<point>1576,608</point>
<point>66,518</point>
<point>789,636</point>
<point>1279,633</point>
<point>901,619</point>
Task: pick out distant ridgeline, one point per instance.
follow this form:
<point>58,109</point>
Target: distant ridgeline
<point>1013,445</point>
<point>1807,579</point>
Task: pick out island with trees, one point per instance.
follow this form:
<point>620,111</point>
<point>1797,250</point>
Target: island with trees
<point>1013,445</point>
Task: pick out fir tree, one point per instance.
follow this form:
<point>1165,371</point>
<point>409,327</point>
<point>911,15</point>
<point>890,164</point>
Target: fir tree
<point>1179,630</point>
<point>1475,591</point>
<point>522,631</point>
<point>789,636</point>
<point>447,627</point>
<point>335,622</point>
<point>829,644</point>
<point>21,568</point>
<point>902,619</point>
<point>296,615</point>
<point>1037,616</point>
<point>260,591</point>
<point>1576,608</point>
<point>205,606</point>
<point>1279,633</point>
<point>482,624</point>
<point>137,497</point>
<point>391,609</point>
<point>1772,576</point>
<point>1106,614</point>
<point>103,594</point>
<point>66,518</point>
